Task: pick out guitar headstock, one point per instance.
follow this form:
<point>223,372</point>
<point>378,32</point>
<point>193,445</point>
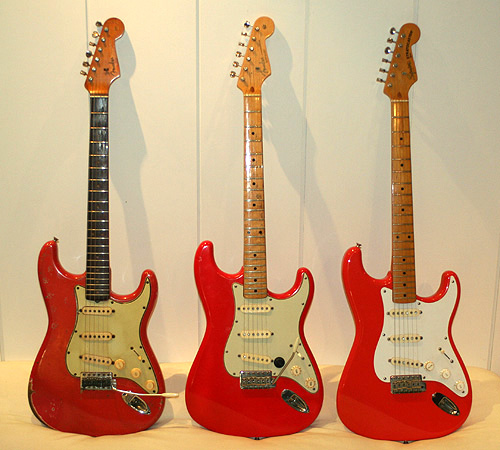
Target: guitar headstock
<point>402,72</point>
<point>255,67</point>
<point>104,68</point>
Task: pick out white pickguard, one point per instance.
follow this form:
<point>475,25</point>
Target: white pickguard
<point>277,321</point>
<point>122,320</point>
<point>433,350</point>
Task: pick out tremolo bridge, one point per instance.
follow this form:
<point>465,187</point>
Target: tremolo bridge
<point>97,381</point>
<point>256,379</point>
<point>407,384</point>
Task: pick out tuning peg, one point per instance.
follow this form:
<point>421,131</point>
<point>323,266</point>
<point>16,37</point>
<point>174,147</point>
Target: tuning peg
<point>98,24</point>
<point>236,64</point>
<point>239,54</point>
<point>247,24</point>
<point>85,64</point>
<point>379,80</point>
<point>382,70</point>
<point>82,72</point>
<point>232,74</point>
<point>88,54</point>
<point>92,44</point>
<point>95,34</point>
<point>393,31</point>
<point>387,50</point>
<point>391,41</point>
<point>384,60</point>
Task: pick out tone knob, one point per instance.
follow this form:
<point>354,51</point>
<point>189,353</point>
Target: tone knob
<point>445,373</point>
<point>429,365</point>
<point>296,370</point>
<point>119,364</point>
<point>310,383</point>
<point>459,385</point>
<point>150,385</point>
<point>136,372</point>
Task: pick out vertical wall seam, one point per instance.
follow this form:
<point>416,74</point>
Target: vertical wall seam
<point>198,152</point>
<point>305,131</point>
<point>494,312</point>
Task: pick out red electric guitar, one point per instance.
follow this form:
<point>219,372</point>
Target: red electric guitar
<point>254,374</point>
<point>404,379</point>
<point>96,373</point>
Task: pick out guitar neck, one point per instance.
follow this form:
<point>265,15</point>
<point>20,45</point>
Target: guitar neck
<point>403,248</point>
<point>254,256</point>
<point>98,269</point>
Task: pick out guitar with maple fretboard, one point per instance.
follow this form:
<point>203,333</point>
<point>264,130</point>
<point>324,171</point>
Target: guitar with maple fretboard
<point>95,372</point>
<point>254,374</point>
<point>404,379</point>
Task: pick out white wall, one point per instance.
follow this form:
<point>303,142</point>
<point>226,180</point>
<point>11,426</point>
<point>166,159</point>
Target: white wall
<point>176,156</point>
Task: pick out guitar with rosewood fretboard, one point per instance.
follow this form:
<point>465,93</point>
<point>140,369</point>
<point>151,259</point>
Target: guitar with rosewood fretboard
<point>95,372</point>
<point>404,379</point>
<point>254,374</point>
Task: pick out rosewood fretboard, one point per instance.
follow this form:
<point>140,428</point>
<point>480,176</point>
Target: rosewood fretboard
<point>98,269</point>
<point>403,248</point>
<point>254,259</point>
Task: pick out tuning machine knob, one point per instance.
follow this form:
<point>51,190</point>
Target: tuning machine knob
<point>236,64</point>
<point>388,50</point>
<point>391,41</point>
<point>85,64</point>
<point>88,54</point>
<point>98,24</point>
<point>92,44</point>
<point>380,80</point>
<point>382,70</point>
<point>393,31</point>
<point>82,72</point>
<point>247,24</point>
<point>95,34</point>
<point>385,60</point>
<point>232,74</point>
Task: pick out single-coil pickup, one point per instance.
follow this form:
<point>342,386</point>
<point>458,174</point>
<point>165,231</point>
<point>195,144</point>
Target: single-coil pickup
<point>101,360</point>
<point>404,312</point>
<point>97,310</point>
<point>255,334</point>
<point>254,308</point>
<point>105,336</point>
<point>405,338</point>
<point>247,357</point>
<point>405,362</point>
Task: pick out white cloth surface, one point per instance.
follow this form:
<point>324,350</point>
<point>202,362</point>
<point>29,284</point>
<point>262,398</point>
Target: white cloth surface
<point>19,428</point>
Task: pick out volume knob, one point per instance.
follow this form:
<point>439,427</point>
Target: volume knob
<point>445,373</point>
<point>119,364</point>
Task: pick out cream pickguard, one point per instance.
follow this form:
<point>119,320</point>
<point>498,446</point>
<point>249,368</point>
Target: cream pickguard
<point>415,341</point>
<point>107,339</point>
<point>265,336</point>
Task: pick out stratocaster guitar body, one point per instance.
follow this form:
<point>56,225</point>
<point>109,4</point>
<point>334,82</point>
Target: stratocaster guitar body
<point>254,374</point>
<point>95,372</point>
<point>214,396</point>
<point>55,393</point>
<point>404,379</point>
<point>364,400</point>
